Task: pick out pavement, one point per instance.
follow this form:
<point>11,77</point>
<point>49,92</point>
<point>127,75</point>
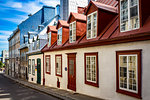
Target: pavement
<point>55,92</point>
<point>11,90</point>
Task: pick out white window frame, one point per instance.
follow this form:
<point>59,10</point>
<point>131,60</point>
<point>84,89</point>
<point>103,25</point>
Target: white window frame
<point>59,41</point>
<point>57,73</point>
<point>29,66</point>
<point>92,19</point>
<point>72,32</point>
<point>33,67</point>
<point>49,39</point>
<point>128,74</point>
<point>91,70</point>
<point>129,22</point>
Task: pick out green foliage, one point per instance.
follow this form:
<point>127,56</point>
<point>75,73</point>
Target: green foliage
<point>1,65</point>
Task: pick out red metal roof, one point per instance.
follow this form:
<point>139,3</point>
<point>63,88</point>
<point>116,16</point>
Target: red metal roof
<point>63,23</point>
<point>77,16</point>
<point>110,35</point>
<point>103,6</point>
<point>109,2</point>
<point>52,28</point>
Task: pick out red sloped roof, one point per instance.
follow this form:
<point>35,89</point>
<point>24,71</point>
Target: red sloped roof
<point>52,28</point>
<point>77,16</point>
<point>64,23</point>
<point>105,7</point>
<point>109,2</point>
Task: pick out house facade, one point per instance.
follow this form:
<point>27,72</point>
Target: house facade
<point>103,53</point>
<point>30,28</point>
<point>14,53</point>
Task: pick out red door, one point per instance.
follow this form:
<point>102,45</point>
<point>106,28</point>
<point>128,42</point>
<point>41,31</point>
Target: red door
<point>72,72</point>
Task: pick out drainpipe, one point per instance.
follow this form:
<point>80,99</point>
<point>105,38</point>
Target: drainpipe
<point>43,71</point>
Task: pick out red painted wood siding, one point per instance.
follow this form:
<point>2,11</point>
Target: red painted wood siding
<point>53,37</point>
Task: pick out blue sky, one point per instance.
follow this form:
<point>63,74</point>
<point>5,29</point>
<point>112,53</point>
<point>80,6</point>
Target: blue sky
<point>13,12</point>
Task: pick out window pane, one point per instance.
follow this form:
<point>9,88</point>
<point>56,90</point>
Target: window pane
<point>49,39</point>
<point>132,72</point>
<point>47,64</point>
<point>134,19</point>
<point>33,67</point>
<point>128,72</point>
<point>89,27</point>
<point>71,67</point>
<point>58,65</point>
<point>124,15</point>
<point>123,71</point>
<point>91,68</point>
<point>59,36</point>
<point>94,32</point>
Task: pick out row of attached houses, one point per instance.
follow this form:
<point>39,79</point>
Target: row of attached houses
<point>102,53</point>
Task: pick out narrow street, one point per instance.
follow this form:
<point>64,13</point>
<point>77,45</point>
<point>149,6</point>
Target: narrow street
<point>9,90</point>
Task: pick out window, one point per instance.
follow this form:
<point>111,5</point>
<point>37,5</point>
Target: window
<point>129,15</point>
<point>58,65</point>
<point>38,44</point>
<point>29,66</point>
<point>59,36</point>
<point>33,67</point>
<point>47,64</point>
<point>72,33</point>
<point>129,72</point>
<point>92,25</point>
<point>91,69</point>
<point>49,39</point>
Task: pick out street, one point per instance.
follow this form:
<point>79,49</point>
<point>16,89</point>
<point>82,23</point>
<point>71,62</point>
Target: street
<point>9,90</point>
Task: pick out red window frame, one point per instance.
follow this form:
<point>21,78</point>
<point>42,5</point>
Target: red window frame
<point>128,52</point>
<point>97,70</point>
<point>56,66</point>
<point>48,56</point>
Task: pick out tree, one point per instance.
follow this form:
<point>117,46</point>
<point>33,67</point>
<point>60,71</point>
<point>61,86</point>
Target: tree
<point>1,64</point>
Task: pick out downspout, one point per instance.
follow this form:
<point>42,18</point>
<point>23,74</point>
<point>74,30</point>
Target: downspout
<point>43,71</point>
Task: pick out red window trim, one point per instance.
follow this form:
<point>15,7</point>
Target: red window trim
<point>97,70</point>
<point>138,52</point>
<point>49,64</point>
<point>61,65</point>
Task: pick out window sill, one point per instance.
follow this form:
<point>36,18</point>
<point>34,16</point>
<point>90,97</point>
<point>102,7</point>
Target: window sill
<point>47,72</point>
<point>136,95</point>
<point>59,75</point>
<point>92,84</point>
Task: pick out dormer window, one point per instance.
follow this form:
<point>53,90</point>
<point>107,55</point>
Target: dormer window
<point>49,39</point>
<point>129,15</point>
<point>72,32</point>
<point>92,25</point>
<point>59,36</point>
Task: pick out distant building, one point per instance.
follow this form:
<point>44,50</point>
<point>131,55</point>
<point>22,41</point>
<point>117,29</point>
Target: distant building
<point>30,28</point>
<point>14,53</point>
<point>68,6</point>
<point>4,55</point>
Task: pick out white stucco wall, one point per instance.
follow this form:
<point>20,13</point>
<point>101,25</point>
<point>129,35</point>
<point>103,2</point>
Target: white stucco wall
<point>35,76</point>
<point>107,70</point>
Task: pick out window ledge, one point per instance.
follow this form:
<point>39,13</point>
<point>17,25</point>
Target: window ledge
<point>136,95</point>
<point>92,84</point>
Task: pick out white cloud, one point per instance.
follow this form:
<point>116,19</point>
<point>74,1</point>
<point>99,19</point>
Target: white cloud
<point>17,5</point>
<point>4,36</point>
<point>50,2</point>
<point>3,42</point>
<point>5,32</point>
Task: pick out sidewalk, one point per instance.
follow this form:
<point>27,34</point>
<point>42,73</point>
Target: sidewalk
<point>58,93</point>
